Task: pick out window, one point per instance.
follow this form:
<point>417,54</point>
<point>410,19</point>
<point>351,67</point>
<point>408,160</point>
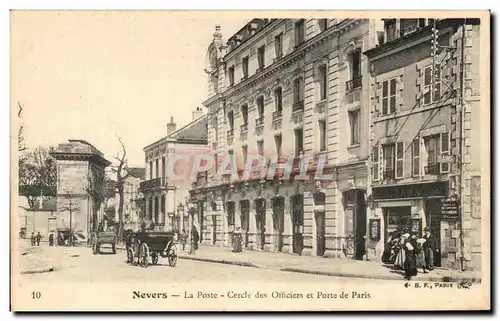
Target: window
<point>436,146</point>
<point>230,119</point>
<point>231,75</point>
<point>163,169</point>
<point>244,66</point>
<point>354,126</point>
<point>278,99</point>
<point>244,151</point>
<point>299,141</point>
<point>355,63</point>
<point>432,89</point>
<point>244,114</point>
<point>390,30</point>
<point>151,170</point>
<point>157,168</point>
<point>445,151</point>
<point>299,32</point>
<point>323,83</point>
<point>278,45</point>
<point>400,151</point>
<point>416,157</point>
<point>323,24</point>
<point>322,135</point>
<point>389,97</point>
<point>297,210</point>
<point>375,163</point>
<point>408,26</point>
<point>277,140</point>
<point>388,161</point>
<point>298,90</point>
<point>230,214</point>
<point>260,106</point>
<point>261,56</point>
<point>260,147</point>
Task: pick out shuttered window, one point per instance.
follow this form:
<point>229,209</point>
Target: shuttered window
<point>416,157</point>
<point>400,151</point>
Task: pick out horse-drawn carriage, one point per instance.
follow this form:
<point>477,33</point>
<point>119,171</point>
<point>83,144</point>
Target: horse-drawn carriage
<point>146,246</point>
<point>99,238</point>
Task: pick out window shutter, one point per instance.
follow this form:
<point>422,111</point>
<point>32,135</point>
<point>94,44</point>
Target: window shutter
<point>375,163</point>
<point>445,151</point>
<point>416,157</point>
<point>400,151</point>
<point>381,162</point>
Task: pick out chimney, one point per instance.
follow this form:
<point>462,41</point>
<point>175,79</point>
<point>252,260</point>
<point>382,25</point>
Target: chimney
<point>171,127</point>
<point>197,113</point>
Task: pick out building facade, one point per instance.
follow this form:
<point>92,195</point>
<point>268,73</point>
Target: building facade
<point>165,197</point>
<point>424,118</point>
<point>80,174</point>
<point>290,87</point>
<point>133,210</point>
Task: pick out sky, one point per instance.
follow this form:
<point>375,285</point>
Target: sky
<point>98,75</point>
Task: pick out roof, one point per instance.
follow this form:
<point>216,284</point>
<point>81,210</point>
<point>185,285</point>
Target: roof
<point>194,132</point>
<point>78,148</point>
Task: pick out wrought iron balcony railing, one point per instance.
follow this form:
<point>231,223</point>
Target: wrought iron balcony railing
<point>244,128</point>
<point>353,83</point>
<point>389,173</point>
<point>259,121</point>
<point>432,169</point>
<point>230,132</point>
<point>152,184</point>
<point>277,114</point>
<point>298,106</point>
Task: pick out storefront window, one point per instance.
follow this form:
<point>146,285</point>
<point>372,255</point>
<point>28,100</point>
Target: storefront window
<point>398,220</point>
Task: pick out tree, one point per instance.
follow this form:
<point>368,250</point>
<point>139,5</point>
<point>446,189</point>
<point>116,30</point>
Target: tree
<point>37,176</point>
<point>96,190</point>
<point>122,172</point>
<point>21,146</point>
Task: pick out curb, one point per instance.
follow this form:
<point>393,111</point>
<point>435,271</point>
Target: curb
<point>239,263</point>
<point>38,270</point>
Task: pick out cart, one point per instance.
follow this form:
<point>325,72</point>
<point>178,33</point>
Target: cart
<point>100,238</point>
<point>146,247</point>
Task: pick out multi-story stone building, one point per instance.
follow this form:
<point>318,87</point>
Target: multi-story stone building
<point>418,122</point>
<point>290,87</point>
<point>133,210</point>
<point>162,194</point>
<point>80,174</point>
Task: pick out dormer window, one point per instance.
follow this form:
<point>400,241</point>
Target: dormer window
<point>408,26</point>
<point>390,30</point>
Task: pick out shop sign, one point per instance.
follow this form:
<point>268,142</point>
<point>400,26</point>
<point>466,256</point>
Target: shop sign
<point>449,210</point>
<point>375,230</point>
<point>446,159</point>
<point>410,191</point>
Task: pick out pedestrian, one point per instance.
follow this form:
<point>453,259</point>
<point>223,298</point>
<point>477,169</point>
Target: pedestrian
<point>51,239</point>
<point>32,238</point>
<point>183,239</point>
<point>196,238</point>
<point>401,256</point>
<point>410,265</point>
<point>419,252</point>
<point>430,247</point>
<point>38,238</point>
<point>366,244</point>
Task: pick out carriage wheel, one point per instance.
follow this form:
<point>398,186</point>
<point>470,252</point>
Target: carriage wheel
<point>172,259</point>
<point>130,256</point>
<point>154,258</point>
<point>144,255</point>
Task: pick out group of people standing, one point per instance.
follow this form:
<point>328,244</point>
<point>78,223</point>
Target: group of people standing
<point>35,239</point>
<point>195,238</point>
<point>410,253</point>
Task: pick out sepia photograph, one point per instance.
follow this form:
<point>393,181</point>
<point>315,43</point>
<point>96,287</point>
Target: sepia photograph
<point>250,160</point>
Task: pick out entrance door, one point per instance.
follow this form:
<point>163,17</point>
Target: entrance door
<point>260,218</point>
<point>279,222</point>
<point>355,223</point>
<point>434,224</point>
<point>320,233</point>
<point>245,221</point>
<point>214,229</point>
<point>298,223</point>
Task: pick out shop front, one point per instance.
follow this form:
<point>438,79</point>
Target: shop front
<point>400,209</point>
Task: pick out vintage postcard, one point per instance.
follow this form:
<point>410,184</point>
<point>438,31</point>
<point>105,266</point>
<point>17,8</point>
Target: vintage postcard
<point>250,161</point>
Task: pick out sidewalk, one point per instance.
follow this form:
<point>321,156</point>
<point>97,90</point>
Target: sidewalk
<point>321,266</point>
<point>43,258</point>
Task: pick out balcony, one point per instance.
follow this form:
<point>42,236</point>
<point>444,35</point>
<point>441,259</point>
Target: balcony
<point>151,184</point>
<point>298,106</point>
<point>230,133</point>
<point>259,121</point>
<point>277,114</point>
<point>432,169</point>
<point>244,78</point>
<point>353,83</point>
<point>244,128</point>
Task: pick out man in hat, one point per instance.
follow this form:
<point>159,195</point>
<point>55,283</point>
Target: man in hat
<point>429,247</point>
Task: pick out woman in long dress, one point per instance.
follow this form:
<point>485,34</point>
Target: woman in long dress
<point>401,256</point>
<point>410,265</point>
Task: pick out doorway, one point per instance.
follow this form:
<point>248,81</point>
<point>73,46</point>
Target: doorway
<point>298,223</point>
<point>260,220</point>
<point>245,221</point>
<point>279,222</point>
<point>319,201</point>
<point>433,210</point>
<point>355,212</point>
